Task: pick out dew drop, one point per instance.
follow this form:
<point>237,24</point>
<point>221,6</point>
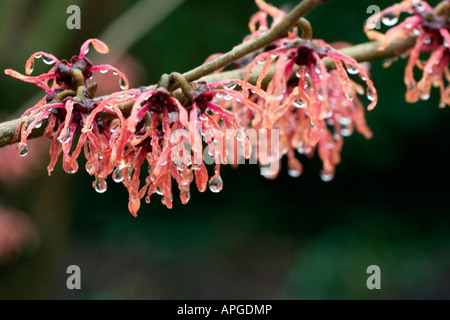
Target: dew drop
<point>103,71</point>
<point>299,103</point>
<point>370,94</point>
<point>87,50</point>
<point>99,185</point>
<point>31,66</point>
<point>117,175</point>
<point>346,132</point>
<point>38,56</point>
<point>297,74</point>
<point>74,168</point>
<point>216,185</point>
<point>48,60</point>
<point>115,73</point>
<point>389,19</point>
<point>123,84</point>
<point>219,95</point>
<point>352,69</point>
<point>273,56</point>
<point>261,61</point>
<point>230,85</point>
<point>22,149</point>
<point>38,124</point>
<point>228,97</point>
<point>89,168</point>
<point>326,176</point>
<point>64,137</point>
<point>294,172</point>
<point>345,121</point>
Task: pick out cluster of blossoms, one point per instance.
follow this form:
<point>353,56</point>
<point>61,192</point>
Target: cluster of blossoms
<point>160,131</point>
<point>431,27</point>
<point>310,106</point>
<point>309,103</point>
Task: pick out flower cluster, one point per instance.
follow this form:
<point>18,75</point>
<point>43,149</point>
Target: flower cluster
<point>310,106</point>
<point>431,27</point>
<point>304,96</point>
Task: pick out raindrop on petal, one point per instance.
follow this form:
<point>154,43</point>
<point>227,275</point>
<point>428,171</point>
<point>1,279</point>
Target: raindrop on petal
<point>230,85</point>
<point>370,94</point>
<point>99,185</point>
<point>326,176</point>
<point>22,148</point>
<point>48,60</point>
<point>64,137</point>
<point>352,69</point>
<point>123,84</point>
<point>299,103</point>
<point>389,19</point>
<point>216,185</point>
<point>117,175</point>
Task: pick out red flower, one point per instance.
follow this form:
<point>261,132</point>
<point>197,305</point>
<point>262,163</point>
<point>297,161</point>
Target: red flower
<point>67,105</point>
<point>432,28</point>
<point>167,135</point>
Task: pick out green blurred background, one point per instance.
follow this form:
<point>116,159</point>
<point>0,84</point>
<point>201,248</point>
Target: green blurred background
<point>290,238</point>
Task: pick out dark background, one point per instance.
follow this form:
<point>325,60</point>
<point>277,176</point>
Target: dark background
<point>290,238</point>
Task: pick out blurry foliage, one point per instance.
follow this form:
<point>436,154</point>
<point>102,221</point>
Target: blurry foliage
<point>287,238</point>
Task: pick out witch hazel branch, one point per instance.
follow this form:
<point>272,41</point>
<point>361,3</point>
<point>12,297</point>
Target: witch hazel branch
<point>290,95</point>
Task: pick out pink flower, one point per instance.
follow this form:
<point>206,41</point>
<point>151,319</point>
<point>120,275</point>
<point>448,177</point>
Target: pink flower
<point>66,107</point>
<point>168,136</point>
<point>431,26</point>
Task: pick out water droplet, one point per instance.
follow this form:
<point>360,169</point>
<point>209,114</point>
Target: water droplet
<point>352,69</point>
<point>64,137</point>
<point>123,84</point>
<point>346,132</point>
<point>273,56</point>
<point>389,19</point>
<point>38,124</point>
<point>297,74</point>
<point>89,168</point>
<point>299,103</point>
<point>99,185</point>
<point>216,185</point>
<point>103,71</point>
<point>87,50</point>
<point>261,61</point>
<point>74,168</point>
<point>187,195</point>
<point>31,66</point>
<point>294,172</point>
<point>38,56</point>
<point>345,121</point>
<point>219,95</point>
<point>428,40</point>
<point>48,60</point>
<point>115,73</point>
<point>370,94</point>
<point>117,175</point>
<point>22,149</point>
<point>425,96</point>
<point>230,85</point>
<point>326,176</point>
<point>158,191</point>
<point>228,97</point>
